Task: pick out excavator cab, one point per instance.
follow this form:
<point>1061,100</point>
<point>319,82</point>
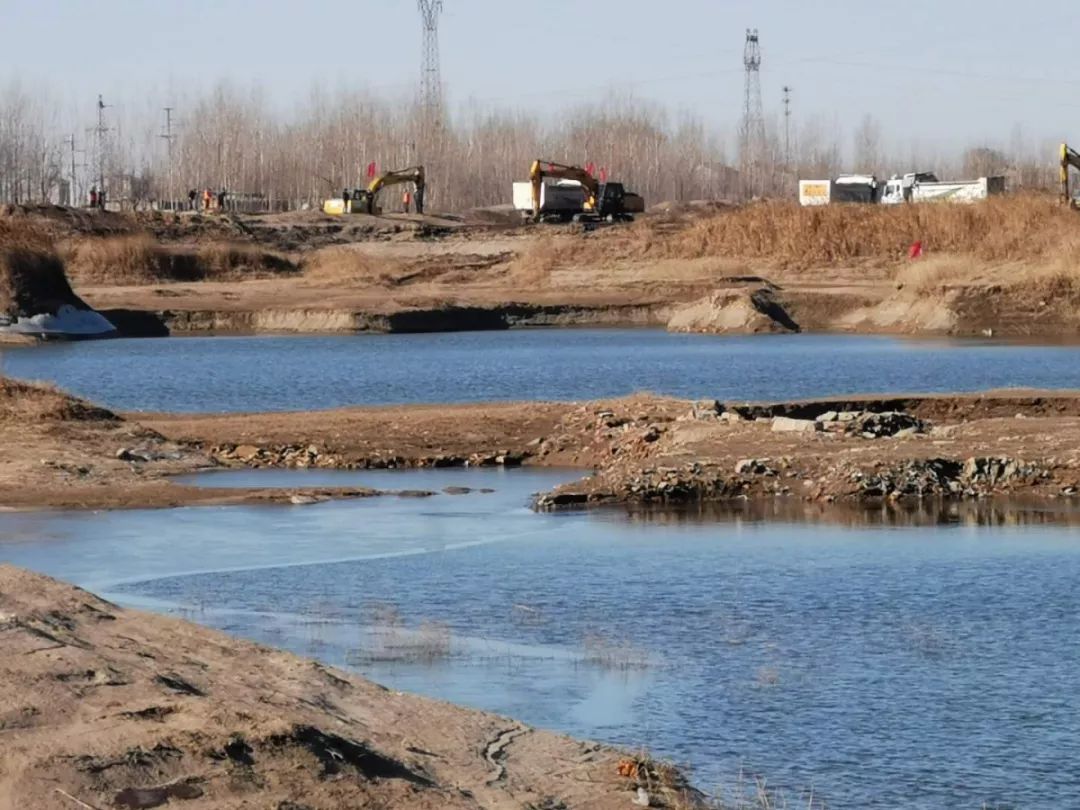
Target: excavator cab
<point>614,202</point>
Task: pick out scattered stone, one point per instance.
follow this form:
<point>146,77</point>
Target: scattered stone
<point>754,466</point>
<point>303,500</point>
<point>730,417</point>
<point>246,452</point>
<point>457,490</point>
<point>888,423</point>
<point>828,416</point>
<point>784,424</point>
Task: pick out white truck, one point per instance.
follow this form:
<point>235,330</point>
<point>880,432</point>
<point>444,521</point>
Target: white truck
<point>558,199</point>
<point>925,187</point>
<point>847,188</point>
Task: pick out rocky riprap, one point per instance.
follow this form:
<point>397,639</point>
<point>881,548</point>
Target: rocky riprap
<point>972,478</point>
<point>300,456</point>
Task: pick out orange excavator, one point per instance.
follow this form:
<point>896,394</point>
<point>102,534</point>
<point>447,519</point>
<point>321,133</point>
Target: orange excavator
<point>604,200</point>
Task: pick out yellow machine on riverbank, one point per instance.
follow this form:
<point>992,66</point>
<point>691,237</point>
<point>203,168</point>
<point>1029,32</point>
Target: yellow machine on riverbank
<point>362,200</point>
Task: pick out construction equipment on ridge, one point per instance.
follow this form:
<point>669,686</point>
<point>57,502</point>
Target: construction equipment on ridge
<point>363,199</point>
<point>604,200</point>
<point>1069,157</point>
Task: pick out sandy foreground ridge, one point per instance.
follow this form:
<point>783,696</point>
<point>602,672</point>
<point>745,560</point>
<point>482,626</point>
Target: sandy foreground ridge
<point>104,707</point>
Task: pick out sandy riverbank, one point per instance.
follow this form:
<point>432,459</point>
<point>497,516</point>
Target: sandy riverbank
<point>108,707</point>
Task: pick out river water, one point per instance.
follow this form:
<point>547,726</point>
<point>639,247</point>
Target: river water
<point>880,664</point>
<point>301,373</point>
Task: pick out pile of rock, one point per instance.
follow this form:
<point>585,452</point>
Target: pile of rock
<point>872,424</point>
<point>975,477</point>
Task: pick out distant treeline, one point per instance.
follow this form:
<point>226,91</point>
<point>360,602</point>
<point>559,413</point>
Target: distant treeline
<point>237,140</point>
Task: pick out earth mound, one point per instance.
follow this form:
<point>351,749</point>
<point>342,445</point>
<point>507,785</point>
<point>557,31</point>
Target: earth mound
<point>36,299</point>
<point>740,311</point>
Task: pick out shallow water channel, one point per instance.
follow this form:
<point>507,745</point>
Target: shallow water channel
<point>883,665</point>
<point>300,373</point>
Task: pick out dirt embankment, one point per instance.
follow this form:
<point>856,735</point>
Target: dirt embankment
<point>1003,267</point>
<point>107,707</point>
<point>642,450</point>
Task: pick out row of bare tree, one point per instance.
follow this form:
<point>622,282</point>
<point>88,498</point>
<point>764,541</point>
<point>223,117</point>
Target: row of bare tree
<point>231,139</point>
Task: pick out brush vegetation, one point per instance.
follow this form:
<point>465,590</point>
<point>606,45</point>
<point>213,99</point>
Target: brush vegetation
<point>42,402</point>
<point>139,259</point>
<point>32,276</point>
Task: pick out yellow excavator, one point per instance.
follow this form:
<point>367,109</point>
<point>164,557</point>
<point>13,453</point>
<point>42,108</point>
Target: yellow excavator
<point>1069,157</point>
<point>362,200</point>
<point>608,201</point>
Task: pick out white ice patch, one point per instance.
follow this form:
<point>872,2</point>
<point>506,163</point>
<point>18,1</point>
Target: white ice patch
<point>67,322</point>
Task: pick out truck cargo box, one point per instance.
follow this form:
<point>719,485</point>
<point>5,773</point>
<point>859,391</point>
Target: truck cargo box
<point>561,197</point>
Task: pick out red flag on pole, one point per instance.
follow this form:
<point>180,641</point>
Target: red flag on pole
<point>590,167</point>
<point>603,174</point>
<point>371,169</point>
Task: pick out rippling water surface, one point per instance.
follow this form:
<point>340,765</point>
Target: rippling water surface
<point>298,373</point>
<point>907,661</point>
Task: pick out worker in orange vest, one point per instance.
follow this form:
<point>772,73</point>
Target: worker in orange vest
<point>406,199</point>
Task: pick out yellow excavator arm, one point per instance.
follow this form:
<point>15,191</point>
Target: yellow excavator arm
<point>413,174</point>
<point>1069,157</point>
<point>545,168</point>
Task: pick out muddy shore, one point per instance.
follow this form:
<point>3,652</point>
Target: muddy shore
<point>642,450</point>
<point>108,707</point>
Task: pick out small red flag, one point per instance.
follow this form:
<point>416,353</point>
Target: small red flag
<point>915,252</point>
<point>603,174</point>
<point>371,169</point>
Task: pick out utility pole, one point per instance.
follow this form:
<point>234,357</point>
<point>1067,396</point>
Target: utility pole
<point>752,134</point>
<point>787,127</point>
<point>169,138</point>
<point>101,131</point>
<point>74,195</point>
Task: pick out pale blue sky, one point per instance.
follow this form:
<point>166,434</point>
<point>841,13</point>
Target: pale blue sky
<point>940,72</point>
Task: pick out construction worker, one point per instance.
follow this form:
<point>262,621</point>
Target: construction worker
<point>406,199</point>
<point>221,200</point>
<point>347,199</point>
<point>206,199</point>
<point>192,195</point>
<point>93,196</point>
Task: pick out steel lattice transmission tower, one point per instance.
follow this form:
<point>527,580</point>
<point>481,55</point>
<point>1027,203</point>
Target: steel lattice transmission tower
<point>430,79</point>
<point>752,133</point>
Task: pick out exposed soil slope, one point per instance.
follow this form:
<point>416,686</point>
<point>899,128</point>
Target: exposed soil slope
<point>106,707</point>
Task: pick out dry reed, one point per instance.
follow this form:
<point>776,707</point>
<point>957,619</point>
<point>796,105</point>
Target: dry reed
<point>140,259</point>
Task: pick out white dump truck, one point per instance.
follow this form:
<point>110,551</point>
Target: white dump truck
<point>847,188</point>
<point>558,198</point>
<point>925,187</point>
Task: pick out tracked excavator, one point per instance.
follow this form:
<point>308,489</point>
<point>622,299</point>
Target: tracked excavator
<point>1069,157</point>
<point>363,199</point>
<point>604,201</point>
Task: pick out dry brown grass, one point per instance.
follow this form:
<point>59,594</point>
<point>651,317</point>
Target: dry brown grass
<point>32,277</point>
<point>346,265</point>
<point>1002,229</point>
<point>538,261</point>
<point>140,259</point>
<point>25,402</point>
